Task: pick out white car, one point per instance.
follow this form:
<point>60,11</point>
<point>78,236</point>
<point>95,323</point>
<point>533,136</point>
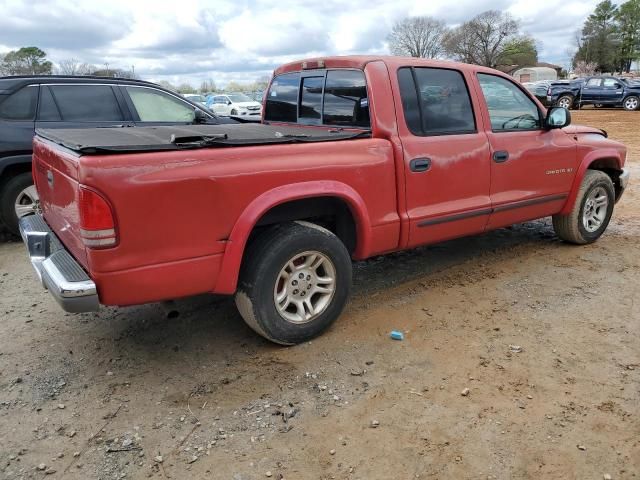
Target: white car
<point>236,105</point>
<point>196,98</point>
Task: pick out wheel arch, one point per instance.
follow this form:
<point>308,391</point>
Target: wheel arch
<point>272,207</point>
<point>14,164</point>
<point>607,161</point>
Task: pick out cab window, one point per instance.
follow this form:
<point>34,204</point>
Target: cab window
<point>510,109</point>
<point>435,101</point>
<point>282,99</point>
<point>345,99</point>
<point>311,100</point>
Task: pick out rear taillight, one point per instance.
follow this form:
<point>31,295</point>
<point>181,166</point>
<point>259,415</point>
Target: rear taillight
<point>97,225</point>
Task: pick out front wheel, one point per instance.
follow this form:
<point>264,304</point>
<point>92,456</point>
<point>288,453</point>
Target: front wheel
<point>591,212</point>
<point>294,283</point>
<point>631,103</point>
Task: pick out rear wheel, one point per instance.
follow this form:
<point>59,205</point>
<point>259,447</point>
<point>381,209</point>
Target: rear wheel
<point>18,198</point>
<point>565,101</point>
<point>294,283</point>
<point>631,103</point>
<point>591,212</point>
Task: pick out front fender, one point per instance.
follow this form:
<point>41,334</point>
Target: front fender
<point>608,158</point>
<point>228,276</point>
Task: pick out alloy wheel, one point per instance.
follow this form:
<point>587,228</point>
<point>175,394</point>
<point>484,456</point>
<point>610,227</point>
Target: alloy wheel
<point>595,209</point>
<point>27,202</point>
<point>305,287</point>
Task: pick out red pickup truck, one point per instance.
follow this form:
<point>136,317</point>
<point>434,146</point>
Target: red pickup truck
<point>356,156</point>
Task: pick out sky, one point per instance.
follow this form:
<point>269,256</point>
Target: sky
<point>243,40</point>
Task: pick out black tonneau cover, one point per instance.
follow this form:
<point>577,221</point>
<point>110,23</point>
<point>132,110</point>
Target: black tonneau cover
<point>110,140</point>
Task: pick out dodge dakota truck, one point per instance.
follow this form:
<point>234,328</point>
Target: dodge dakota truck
<point>355,157</point>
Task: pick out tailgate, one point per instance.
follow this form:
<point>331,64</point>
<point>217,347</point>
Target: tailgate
<point>55,172</point>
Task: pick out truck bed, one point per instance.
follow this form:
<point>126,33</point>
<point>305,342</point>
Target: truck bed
<point>103,141</point>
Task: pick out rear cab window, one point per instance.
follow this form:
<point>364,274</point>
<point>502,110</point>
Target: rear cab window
<point>321,97</point>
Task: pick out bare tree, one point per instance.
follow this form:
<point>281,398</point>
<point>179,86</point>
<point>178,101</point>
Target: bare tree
<point>420,37</point>
<point>72,66</point>
<point>585,69</point>
<point>208,86</point>
<point>186,88</point>
<point>482,39</point>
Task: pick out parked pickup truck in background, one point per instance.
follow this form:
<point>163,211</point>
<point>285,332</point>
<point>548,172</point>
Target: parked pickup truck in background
<point>600,91</point>
<point>357,156</point>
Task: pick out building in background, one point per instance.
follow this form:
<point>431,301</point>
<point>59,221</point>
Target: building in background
<point>536,73</point>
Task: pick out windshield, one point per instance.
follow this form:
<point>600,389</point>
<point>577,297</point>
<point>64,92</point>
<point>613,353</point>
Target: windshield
<point>239,97</point>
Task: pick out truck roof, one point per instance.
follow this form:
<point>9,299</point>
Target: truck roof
<point>11,83</point>
<point>360,61</point>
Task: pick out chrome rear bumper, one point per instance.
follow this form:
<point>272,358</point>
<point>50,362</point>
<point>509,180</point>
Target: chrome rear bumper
<point>57,270</point>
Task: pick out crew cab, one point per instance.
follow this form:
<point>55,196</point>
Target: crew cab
<point>356,156</point>
<point>599,91</point>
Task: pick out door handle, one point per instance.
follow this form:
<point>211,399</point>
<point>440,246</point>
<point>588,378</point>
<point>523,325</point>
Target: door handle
<point>420,164</point>
<point>500,156</point>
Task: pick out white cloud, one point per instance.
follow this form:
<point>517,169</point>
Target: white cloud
<point>241,40</point>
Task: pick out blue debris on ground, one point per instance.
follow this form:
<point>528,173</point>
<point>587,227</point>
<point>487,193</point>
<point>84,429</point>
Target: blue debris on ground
<point>396,335</point>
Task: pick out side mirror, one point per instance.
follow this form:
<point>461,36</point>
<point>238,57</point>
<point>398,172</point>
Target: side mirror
<point>199,116</point>
<point>228,102</point>
<point>557,117</point>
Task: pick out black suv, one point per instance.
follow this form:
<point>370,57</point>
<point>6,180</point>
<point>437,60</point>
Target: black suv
<point>31,102</point>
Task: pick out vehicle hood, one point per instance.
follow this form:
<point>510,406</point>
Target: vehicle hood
<point>247,104</point>
<point>583,130</point>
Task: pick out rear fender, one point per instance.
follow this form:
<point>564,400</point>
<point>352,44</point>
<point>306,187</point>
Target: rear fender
<point>607,158</point>
<point>228,277</point>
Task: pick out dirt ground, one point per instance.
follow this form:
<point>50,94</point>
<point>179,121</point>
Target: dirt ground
<point>545,337</point>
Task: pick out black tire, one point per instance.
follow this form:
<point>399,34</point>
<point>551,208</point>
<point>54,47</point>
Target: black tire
<point>9,193</point>
<point>233,112</point>
<point>266,257</point>
<point>631,103</point>
<point>570,228</point>
<point>567,100</point>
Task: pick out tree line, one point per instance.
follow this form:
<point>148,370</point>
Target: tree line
<point>33,61</point>
<point>610,37</point>
<point>491,38</point>
<point>609,40</point>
